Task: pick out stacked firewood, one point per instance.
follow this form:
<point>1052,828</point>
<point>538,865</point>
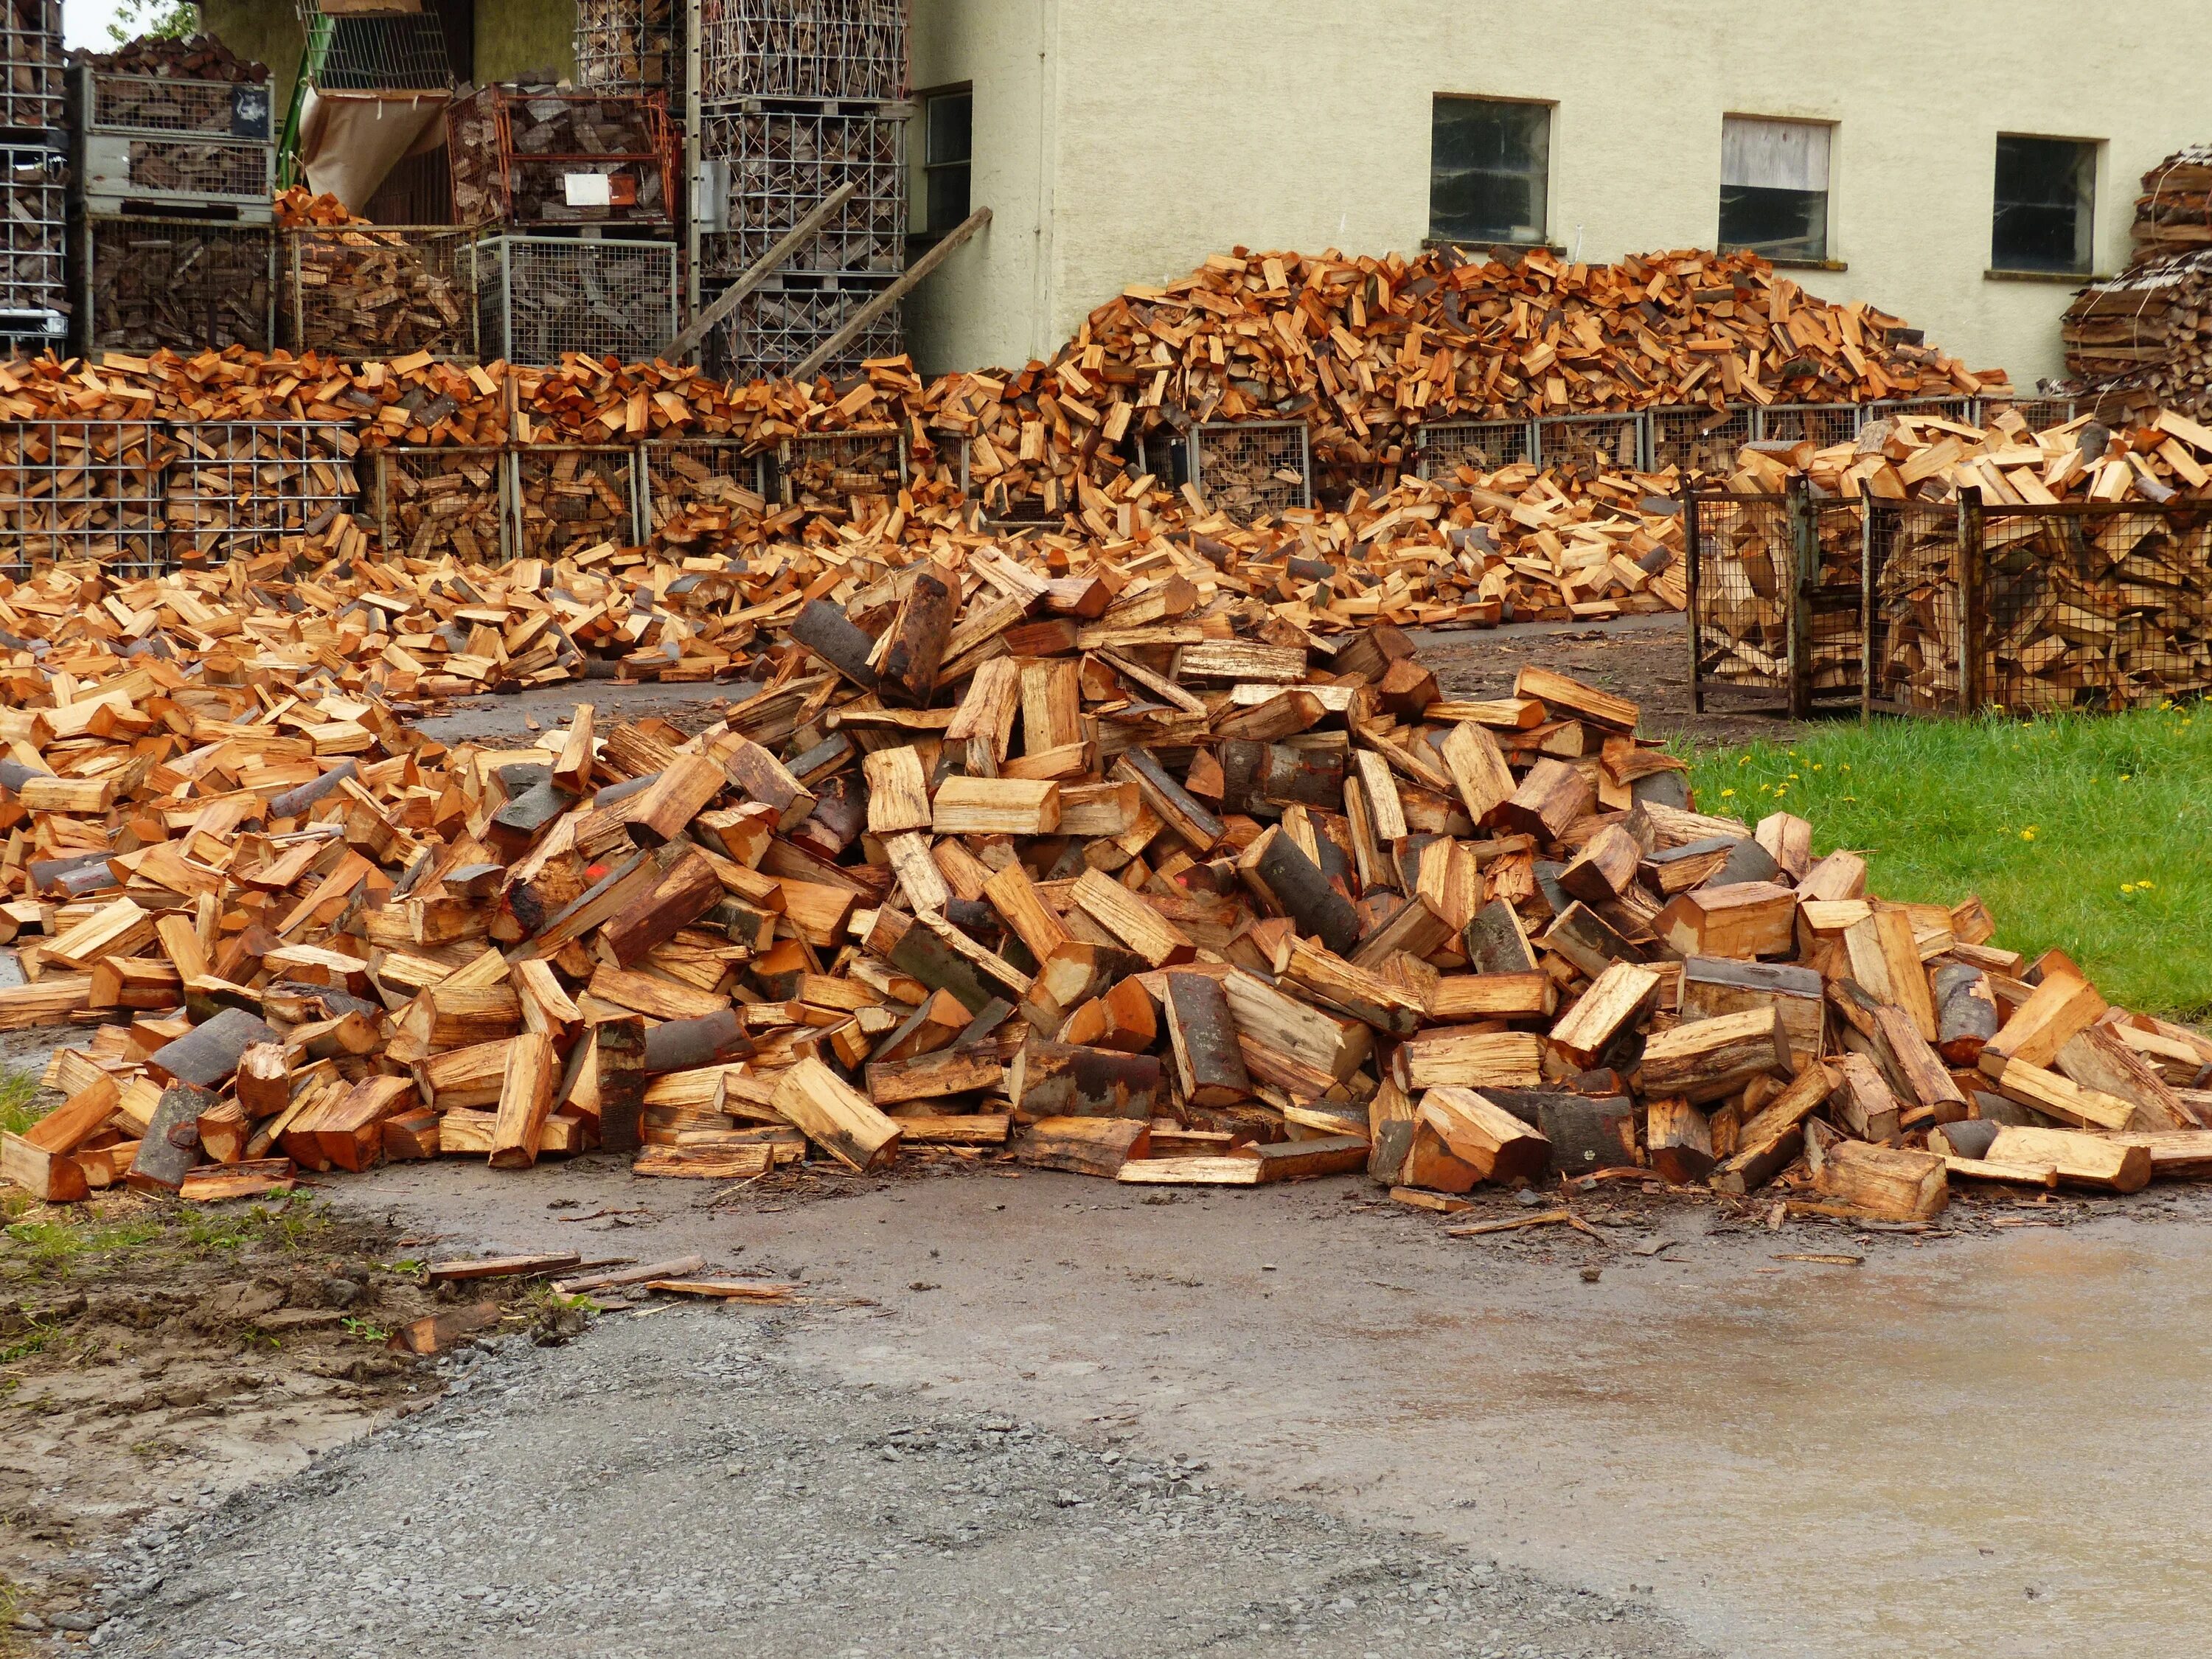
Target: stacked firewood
<point>298,207</point>
<point>362,293</point>
<point>2143,339</point>
<point>438,503</point>
<point>1124,875</point>
<point>2173,215</point>
<point>804,49</point>
<point>32,94</point>
<point>572,500</point>
<point>630,45</point>
<point>82,491</point>
<point>195,58</point>
<point>497,134</point>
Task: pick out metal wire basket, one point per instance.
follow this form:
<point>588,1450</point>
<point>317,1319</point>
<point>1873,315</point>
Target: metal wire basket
<point>83,489</point>
<point>545,156</point>
<point>431,503</point>
<point>569,498</point>
<point>828,468</point>
<point>34,243</point>
<point>782,163</point>
<point>373,291</point>
<point>695,489</point>
<point>825,49</point>
<point>1445,447</point>
<point>631,45</point>
<point>778,326</point>
<point>537,297</point>
<point>238,485</point>
<point>1590,443</point>
<point>183,283</point>
<point>1821,425</point>
<point>1252,469</point>
<point>153,142</point>
<point>1700,440</point>
<point>31,69</point>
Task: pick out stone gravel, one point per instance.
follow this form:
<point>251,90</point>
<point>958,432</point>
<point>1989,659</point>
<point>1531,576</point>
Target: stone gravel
<point>670,1484</point>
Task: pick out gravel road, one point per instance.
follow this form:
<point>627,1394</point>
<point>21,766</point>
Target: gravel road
<point>673,1484</point>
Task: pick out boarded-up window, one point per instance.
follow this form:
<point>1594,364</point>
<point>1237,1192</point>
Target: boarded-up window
<point>1490,161</point>
<point>1774,187</point>
<point>2047,199</point>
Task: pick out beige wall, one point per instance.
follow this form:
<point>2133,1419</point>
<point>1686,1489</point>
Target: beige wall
<point>1176,128</point>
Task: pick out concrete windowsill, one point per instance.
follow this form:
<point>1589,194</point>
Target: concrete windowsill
<point>1494,248</point>
<point>2071,279</point>
<point>1810,264</point>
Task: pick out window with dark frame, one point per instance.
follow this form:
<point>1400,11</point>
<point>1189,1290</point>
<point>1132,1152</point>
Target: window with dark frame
<point>2047,199</point>
<point>1490,164</point>
<point>1774,187</point>
<point>947,147</point>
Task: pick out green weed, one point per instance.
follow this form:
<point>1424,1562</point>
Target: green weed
<point>2090,833</point>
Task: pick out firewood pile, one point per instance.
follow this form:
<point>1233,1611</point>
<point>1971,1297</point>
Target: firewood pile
<point>299,207</point>
<point>1116,871</point>
<point>503,140</point>
<point>2173,215</point>
<point>77,490</point>
<point>572,500</point>
<point>363,294</point>
<point>436,503</point>
<point>199,57</point>
<point>2105,610</point>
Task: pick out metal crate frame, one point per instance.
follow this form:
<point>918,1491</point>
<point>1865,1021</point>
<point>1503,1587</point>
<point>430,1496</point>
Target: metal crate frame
<point>778,165</point>
<point>1441,446</point>
<point>1556,438</point>
<point>214,301</point>
<point>300,502</point>
<point>35,289</point>
<point>505,267</point>
<point>374,51</point>
<point>1216,443</point>
<point>505,160</point>
<point>825,49</point>
<point>36,492</point>
<point>726,458</point>
<point>33,92</point>
<point>744,346</point>
<point>632,46</point>
<point>1967,411</point>
<point>110,150</point>
<point>417,461</point>
<point>879,451</point>
<point>2041,414</point>
<point>1692,427</point>
<point>617,465</point>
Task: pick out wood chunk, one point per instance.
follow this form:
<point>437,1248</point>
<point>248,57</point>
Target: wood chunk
<point>837,1117</point>
<point>1890,1182</point>
<point>2063,1005</point>
<point>935,1076</point>
<point>1204,1038</point>
<point>1551,797</point>
<point>1084,1145</point>
<point>1289,1044</point>
<point>1681,1141</point>
<point>525,1099</point>
<point>914,644</point>
<point>1056,1079</point>
<point>1966,1012</point>
<point>1709,1059</point>
<point>686,892</point>
<point>1745,921</point>
<point>1279,869</point>
<point>210,1053</point>
<point>462,1270</point>
<point>1478,769</point>
<point>898,791</point>
<point>1773,1138</point>
<point>1720,985</point>
<point>1485,1136</point>
<point>1604,868</point>
<point>438,1331</point>
<point>996,806</point>
<point>2097,1058</point>
<point>1132,921</point>
<point>1585,702</point>
<point>2056,1096</point>
<point>1352,990</point>
<point>1620,997</point>
<point>171,1144</point>
<point>1861,1101</point>
<point>1447,1056</point>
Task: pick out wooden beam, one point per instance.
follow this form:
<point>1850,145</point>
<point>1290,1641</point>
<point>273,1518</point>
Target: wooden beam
<point>687,342</point>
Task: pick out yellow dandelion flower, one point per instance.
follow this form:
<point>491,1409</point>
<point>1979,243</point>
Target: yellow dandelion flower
<point>2028,834</point>
<point>1725,794</point>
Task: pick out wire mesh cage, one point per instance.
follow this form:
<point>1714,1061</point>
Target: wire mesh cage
<point>1165,453</point>
<point>430,503</point>
<point>1590,444</point>
<point>2088,606</point>
<point>31,93</point>
<point>369,292</point>
<point>2041,414</point>
<point>782,165</point>
<point>238,485</point>
<point>1916,623</point>
<point>1821,425</point>
<point>631,45</point>
<point>376,52</point>
<point>34,243</point>
<point>828,469</point>
<point>155,142</point>
<point>567,499</point>
<point>83,489</point>
<point>1742,567</point>
<point>537,297</point>
<point>697,491</point>
<point>1481,446</point>
<point>145,284</point>
<point>1252,469</point>
<point>538,155</point>
<point>778,327</point>
<point>1700,442</point>
<point>1966,412</point>
<point>826,49</point>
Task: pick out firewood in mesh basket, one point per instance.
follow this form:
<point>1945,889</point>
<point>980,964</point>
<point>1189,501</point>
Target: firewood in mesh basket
<point>171,283</point>
<point>441,501</point>
<point>372,294</point>
<point>572,500</point>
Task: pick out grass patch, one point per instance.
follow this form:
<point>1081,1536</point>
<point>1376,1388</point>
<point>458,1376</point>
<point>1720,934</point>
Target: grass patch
<point>18,1090</point>
<point>2093,834</point>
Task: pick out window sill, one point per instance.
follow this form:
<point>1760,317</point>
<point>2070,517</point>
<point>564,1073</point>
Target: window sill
<point>2071,279</point>
<point>1433,242</point>
<point>1809,265</point>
